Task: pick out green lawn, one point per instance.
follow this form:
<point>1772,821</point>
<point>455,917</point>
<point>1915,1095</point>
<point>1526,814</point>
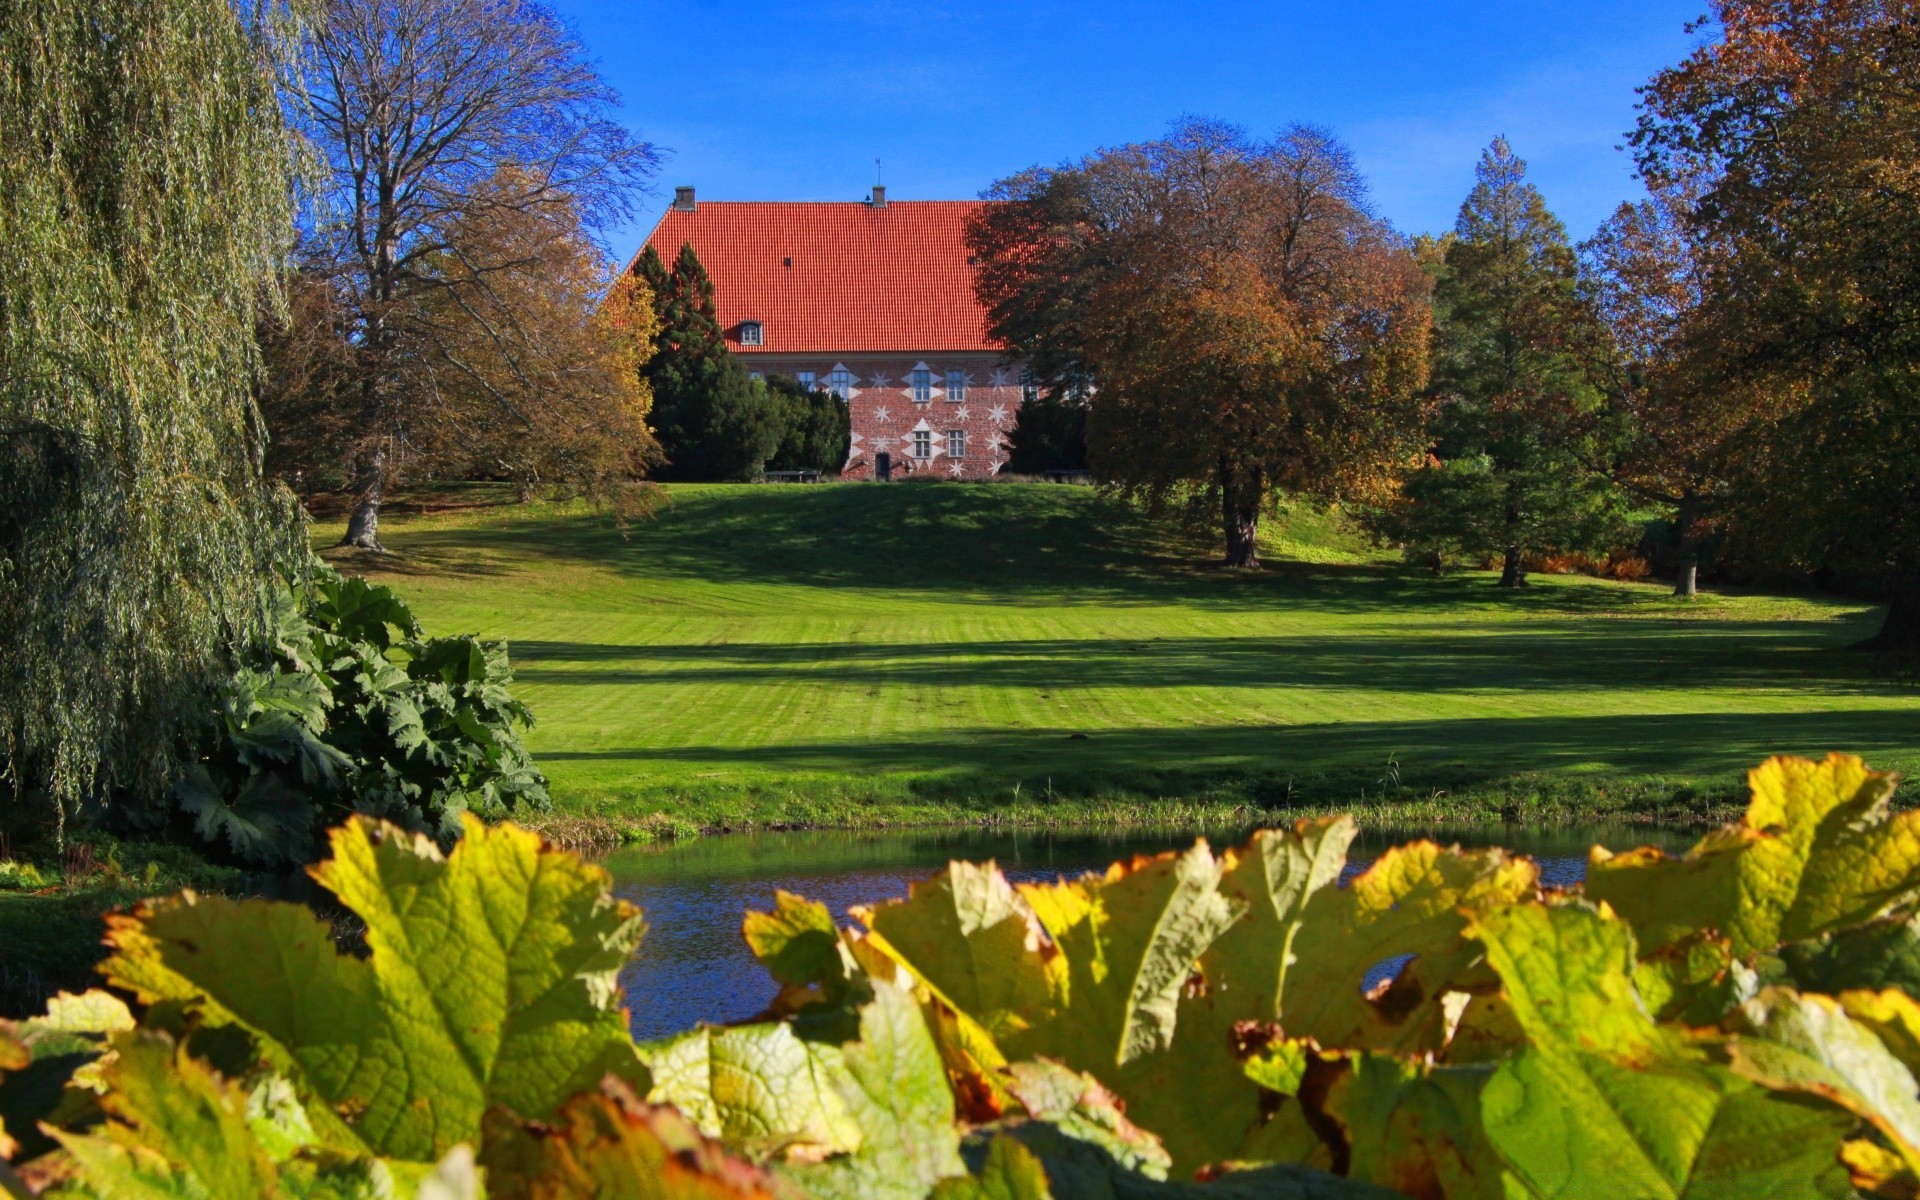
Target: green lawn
<point>867,652</point>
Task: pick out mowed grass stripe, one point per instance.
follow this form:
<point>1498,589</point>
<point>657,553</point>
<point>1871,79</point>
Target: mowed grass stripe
<point>951,640</point>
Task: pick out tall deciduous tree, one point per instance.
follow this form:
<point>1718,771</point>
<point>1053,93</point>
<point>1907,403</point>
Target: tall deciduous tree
<point>144,202</point>
<point>1646,273</point>
<point>1520,429</point>
<point>434,117</point>
<point>1800,124</point>
<point>1243,320</point>
<point>713,422</point>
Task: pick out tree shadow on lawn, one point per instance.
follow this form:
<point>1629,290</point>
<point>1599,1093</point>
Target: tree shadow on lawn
<point>1007,542</point>
<point>1562,657</point>
<point>1170,762</point>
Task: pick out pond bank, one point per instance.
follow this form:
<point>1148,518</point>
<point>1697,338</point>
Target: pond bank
<point>596,822</point>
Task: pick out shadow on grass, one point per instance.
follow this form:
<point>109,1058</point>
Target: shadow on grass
<point>1562,657</point>
<point>1340,756</point>
<point>987,541</point>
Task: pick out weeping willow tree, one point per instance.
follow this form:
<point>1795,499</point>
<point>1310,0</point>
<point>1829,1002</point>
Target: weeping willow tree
<point>144,203</point>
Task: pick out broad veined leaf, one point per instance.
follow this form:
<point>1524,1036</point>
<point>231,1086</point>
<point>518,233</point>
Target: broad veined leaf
<point>605,1143</point>
<point>492,980</point>
<point>1605,1102</point>
<point>1415,1127</point>
<point>1696,981</point>
<point>174,1129</point>
<point>1894,1017</point>
<point>1087,972</point>
<point>1808,1043</point>
<point>1010,1172</point>
<point>1077,1104</point>
<point>758,1087</point>
<point>895,1091</point>
<point>1414,902</point>
<point>1879,954</point>
<point>1818,851</point>
<point>41,1056</point>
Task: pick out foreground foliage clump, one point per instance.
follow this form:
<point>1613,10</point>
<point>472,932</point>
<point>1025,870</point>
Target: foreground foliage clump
<point>357,711</point>
<point>1264,1022</point>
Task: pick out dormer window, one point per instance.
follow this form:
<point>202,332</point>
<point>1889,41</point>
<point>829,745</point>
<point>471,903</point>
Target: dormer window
<point>751,334</point>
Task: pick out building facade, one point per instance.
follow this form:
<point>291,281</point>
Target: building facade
<point>873,301</point>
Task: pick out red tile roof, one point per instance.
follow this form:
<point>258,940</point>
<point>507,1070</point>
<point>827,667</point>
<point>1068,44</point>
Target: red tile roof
<point>864,278</point>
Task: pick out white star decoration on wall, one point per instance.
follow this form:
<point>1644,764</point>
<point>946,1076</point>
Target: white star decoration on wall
<point>880,414</point>
<point>1000,378</point>
<point>883,443</point>
<point>960,414</point>
<point>877,380</point>
<point>997,414</point>
<point>956,469</point>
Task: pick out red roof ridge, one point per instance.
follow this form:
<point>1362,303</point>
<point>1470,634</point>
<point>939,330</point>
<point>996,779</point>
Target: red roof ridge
<point>836,276</point>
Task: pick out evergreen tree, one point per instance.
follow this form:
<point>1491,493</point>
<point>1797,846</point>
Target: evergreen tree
<point>1520,435</point>
<point>816,430</point>
<point>712,421</point>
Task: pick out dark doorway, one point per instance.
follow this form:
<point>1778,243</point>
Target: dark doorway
<point>883,466</point>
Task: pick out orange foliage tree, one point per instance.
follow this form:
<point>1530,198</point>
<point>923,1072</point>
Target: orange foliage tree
<point>1236,316</point>
<point>1798,126</point>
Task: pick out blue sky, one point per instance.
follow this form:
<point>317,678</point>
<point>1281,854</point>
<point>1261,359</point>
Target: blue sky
<point>795,101</point>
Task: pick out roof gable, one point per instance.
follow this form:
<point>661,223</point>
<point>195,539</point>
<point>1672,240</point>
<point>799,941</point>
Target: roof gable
<point>831,278</point>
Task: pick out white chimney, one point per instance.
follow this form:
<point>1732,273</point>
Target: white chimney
<point>879,196</point>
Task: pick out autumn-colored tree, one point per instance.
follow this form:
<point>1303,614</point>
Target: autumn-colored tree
<point>1645,272</point>
<point>1799,125</point>
<point>1239,319</point>
<point>433,118</point>
<point>523,362</point>
<point>1520,432</point>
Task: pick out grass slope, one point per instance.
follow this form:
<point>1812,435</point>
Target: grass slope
<point>859,654</point>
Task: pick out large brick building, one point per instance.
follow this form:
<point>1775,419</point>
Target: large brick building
<point>872,300</point>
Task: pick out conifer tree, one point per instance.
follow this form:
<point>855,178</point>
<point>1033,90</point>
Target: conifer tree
<point>1520,434</point>
<point>712,421</point>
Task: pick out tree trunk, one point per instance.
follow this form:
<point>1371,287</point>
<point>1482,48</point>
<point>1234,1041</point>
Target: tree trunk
<point>1239,518</point>
<point>1687,546</point>
<point>1900,632</point>
<point>363,528</point>
<point>1513,571</point>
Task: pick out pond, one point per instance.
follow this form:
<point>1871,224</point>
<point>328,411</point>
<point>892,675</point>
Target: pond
<point>694,965</point>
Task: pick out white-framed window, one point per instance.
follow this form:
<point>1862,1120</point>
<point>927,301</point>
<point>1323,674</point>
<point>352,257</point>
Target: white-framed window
<point>956,443</point>
<point>922,385</point>
<point>1029,387</point>
<point>751,334</point>
<point>956,387</point>
<point>804,379</point>
<point>923,444</point>
<point>840,382</point>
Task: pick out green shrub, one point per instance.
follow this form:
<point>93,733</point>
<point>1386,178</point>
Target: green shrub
<point>357,712</point>
<point>1740,1021</point>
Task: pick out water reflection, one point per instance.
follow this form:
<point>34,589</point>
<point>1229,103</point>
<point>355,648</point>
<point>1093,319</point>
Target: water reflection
<point>694,965</point>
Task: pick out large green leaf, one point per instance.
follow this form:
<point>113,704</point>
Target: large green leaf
<point>762,1088</point>
<point>1809,1044</point>
<point>1605,1102</point>
<point>1819,850</point>
<point>606,1144</point>
<point>896,1091</point>
<point>1879,954</point>
<point>491,980</point>
<point>41,1056</point>
<point>1088,972</point>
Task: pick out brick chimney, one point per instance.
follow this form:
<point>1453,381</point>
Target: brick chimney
<point>879,199</point>
<point>683,199</point>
